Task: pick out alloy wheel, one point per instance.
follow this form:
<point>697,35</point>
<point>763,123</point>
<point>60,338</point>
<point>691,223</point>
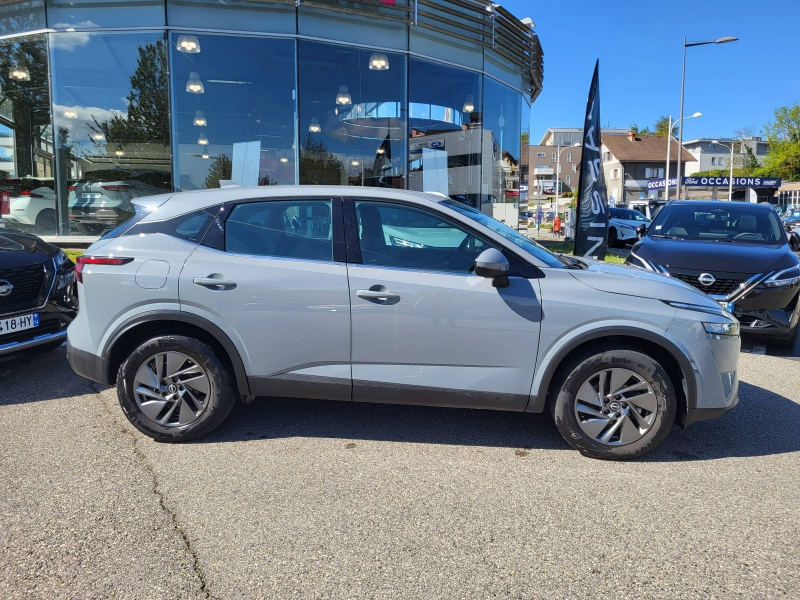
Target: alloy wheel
<point>171,389</point>
<point>616,407</point>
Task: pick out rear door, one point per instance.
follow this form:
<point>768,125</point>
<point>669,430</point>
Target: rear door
<point>425,329</point>
<point>276,283</point>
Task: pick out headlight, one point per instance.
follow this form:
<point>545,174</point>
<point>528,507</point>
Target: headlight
<point>641,262</point>
<point>783,279</point>
<point>731,328</point>
<point>718,310</point>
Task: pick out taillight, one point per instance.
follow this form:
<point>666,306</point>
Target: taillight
<point>98,260</point>
<point>5,203</point>
<point>25,193</point>
<point>116,188</point>
<point>72,188</point>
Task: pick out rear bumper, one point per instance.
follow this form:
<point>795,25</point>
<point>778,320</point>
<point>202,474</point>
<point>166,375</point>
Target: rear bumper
<point>88,365</point>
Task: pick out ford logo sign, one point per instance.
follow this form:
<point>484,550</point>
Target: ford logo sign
<point>706,279</point>
<point>5,288</point>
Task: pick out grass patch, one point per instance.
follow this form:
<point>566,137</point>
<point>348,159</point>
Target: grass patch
<point>73,254</point>
<point>566,248</point>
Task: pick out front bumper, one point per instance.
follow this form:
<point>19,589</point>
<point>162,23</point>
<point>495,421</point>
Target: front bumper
<point>695,415</point>
<point>53,324</point>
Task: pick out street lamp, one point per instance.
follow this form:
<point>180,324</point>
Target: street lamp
<point>669,142</point>
<point>558,169</point>
<point>730,179</point>
<point>722,40</point>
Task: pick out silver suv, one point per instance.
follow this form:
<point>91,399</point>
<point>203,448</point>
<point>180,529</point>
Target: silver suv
<point>374,295</point>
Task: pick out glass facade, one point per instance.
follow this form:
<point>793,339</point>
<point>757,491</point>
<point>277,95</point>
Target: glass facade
<point>111,106</point>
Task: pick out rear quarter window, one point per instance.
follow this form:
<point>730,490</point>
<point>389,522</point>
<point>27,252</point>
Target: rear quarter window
<point>188,226</point>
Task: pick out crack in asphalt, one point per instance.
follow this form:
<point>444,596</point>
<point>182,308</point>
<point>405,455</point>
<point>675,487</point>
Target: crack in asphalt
<point>204,588</point>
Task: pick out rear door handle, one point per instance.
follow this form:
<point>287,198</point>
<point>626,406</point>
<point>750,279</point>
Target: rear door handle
<point>374,295</point>
<point>210,282</point>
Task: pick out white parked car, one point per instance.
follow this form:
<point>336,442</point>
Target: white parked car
<point>622,224</point>
<point>32,206</point>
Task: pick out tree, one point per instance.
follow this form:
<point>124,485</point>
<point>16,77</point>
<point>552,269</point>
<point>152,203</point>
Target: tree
<point>635,129</point>
<point>221,168</point>
<point>147,117</point>
<point>662,125</point>
<point>318,165</point>
<point>783,135</point>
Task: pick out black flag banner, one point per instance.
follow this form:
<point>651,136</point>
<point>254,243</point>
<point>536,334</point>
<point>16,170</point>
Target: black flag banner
<point>591,233</point>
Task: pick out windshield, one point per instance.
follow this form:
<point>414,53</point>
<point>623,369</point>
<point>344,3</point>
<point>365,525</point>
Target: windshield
<point>627,214</point>
<point>795,213</point>
<point>723,222</point>
<point>531,247</point>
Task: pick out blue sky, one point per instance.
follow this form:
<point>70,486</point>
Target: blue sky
<point>640,50</point>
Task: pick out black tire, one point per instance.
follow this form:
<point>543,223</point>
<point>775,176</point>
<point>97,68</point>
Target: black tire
<point>612,238</point>
<point>218,404</point>
<point>590,363</point>
<point>787,343</point>
<point>46,222</point>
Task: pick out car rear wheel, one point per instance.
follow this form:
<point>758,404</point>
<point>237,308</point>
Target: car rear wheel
<point>612,238</point>
<point>46,222</point>
<point>175,388</point>
<point>91,228</point>
<point>614,403</point>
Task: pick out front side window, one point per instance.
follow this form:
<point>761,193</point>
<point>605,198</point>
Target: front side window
<point>299,229</point>
<point>392,235</point>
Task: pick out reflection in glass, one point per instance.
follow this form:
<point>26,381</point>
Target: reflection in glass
<point>89,14</point>
<point>354,116</point>
<point>445,141</point>
<point>17,17</point>
<point>245,107</point>
<point>111,102</point>
<point>501,123</point>
<point>26,137</point>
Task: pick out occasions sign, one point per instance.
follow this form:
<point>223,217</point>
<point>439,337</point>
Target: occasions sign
<point>752,182</point>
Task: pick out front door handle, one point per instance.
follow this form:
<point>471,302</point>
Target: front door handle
<point>211,282</point>
<point>377,295</point>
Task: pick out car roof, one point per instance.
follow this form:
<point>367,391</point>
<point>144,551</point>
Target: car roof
<point>719,204</point>
<point>164,206</point>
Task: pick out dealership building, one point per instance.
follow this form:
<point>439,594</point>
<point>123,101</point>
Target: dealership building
<point>104,101</point>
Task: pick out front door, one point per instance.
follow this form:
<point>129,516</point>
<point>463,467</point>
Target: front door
<point>425,330</point>
<point>274,287</point>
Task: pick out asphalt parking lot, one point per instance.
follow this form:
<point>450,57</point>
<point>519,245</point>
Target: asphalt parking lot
<point>308,499</point>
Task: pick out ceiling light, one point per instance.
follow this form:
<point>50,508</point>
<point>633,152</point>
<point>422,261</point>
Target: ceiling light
<point>199,119</point>
<point>284,158</point>
<point>119,151</point>
<point>314,126</point>
<point>194,85</point>
<point>19,73</point>
<point>204,155</point>
<point>381,150</point>
<point>354,162</point>
<point>202,140</point>
<point>343,97</point>
<point>98,136</point>
<point>469,105</point>
<point>188,44</point>
<point>378,62</point>
<point>70,113</point>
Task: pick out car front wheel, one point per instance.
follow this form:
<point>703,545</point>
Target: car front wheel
<point>614,403</point>
<point>612,238</point>
<point>175,388</point>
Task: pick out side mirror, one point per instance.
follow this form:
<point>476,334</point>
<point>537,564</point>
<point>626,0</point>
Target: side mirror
<point>641,231</point>
<point>493,265</point>
<point>794,241</point>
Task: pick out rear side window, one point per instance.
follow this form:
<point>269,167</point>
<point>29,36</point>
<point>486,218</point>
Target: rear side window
<point>189,226</point>
<point>285,229</point>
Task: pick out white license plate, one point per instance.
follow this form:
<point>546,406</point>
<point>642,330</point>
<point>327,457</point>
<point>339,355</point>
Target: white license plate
<point>91,196</point>
<point>22,323</point>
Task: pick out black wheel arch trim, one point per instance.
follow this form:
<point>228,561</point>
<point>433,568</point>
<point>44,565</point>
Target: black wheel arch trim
<point>190,319</point>
<point>538,396</point>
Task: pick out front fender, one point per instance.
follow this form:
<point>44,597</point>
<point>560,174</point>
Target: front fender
<point>595,331</point>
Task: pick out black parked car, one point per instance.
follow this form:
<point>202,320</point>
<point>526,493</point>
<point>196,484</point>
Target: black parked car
<point>37,295</point>
<point>736,252</point>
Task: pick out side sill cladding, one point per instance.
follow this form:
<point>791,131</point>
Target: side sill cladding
<point>539,392</point>
<point>189,319</point>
